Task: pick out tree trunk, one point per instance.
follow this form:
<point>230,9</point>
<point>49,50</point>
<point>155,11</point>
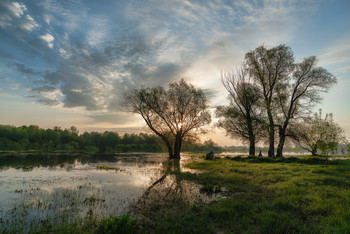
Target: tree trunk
<point>282,135</point>
<point>170,149</point>
<point>314,150</point>
<point>176,168</point>
<point>177,147</point>
<point>271,152</point>
<point>251,134</point>
<point>252,148</point>
<point>171,154</point>
<point>280,146</point>
<point>252,145</point>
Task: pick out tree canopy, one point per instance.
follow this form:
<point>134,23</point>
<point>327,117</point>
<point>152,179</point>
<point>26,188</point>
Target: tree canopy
<point>243,117</point>
<point>171,114</point>
<point>289,89</point>
<point>270,68</point>
<point>319,133</point>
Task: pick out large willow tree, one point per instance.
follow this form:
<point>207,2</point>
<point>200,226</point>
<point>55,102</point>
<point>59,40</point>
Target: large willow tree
<point>171,114</point>
<point>289,89</point>
<point>271,69</point>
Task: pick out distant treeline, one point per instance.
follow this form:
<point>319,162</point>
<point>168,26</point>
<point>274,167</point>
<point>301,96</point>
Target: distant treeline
<point>33,138</point>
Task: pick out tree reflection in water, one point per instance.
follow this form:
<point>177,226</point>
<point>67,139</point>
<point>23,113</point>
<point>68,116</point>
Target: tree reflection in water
<point>174,186</point>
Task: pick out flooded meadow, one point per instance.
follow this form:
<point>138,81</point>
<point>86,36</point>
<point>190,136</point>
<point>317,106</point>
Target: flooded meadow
<point>39,190</point>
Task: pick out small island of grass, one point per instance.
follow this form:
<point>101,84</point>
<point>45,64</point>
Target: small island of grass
<point>104,167</point>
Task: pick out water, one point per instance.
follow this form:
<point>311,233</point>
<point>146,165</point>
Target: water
<point>36,189</point>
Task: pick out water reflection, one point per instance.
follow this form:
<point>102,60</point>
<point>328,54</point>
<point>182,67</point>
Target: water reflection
<point>28,162</point>
<point>177,182</point>
<point>39,189</point>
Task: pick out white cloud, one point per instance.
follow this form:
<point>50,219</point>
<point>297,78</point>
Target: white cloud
<point>29,24</point>
<point>64,53</point>
<point>48,38</point>
<point>10,11</point>
<point>16,8</point>
<point>13,14</point>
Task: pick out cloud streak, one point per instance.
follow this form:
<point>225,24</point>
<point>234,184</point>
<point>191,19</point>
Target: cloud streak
<point>22,68</point>
<point>13,15</point>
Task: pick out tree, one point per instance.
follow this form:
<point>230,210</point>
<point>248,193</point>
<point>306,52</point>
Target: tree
<point>289,89</point>
<point>171,114</point>
<point>243,117</point>
<point>318,133</point>
<point>308,81</point>
<point>108,141</point>
<point>270,68</point>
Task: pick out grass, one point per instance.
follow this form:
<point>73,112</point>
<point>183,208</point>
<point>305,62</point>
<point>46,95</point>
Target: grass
<point>287,195</point>
<point>121,224</point>
<point>263,195</point>
<point>64,211</point>
<point>103,167</point>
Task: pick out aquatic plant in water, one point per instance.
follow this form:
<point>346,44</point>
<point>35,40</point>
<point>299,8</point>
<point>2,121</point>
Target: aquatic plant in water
<point>107,167</point>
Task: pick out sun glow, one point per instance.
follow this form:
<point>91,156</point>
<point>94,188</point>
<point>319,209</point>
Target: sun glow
<point>178,125</point>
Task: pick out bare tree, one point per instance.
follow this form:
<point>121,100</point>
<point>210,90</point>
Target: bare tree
<point>270,68</point>
<point>171,114</point>
<point>242,118</point>
<point>298,97</point>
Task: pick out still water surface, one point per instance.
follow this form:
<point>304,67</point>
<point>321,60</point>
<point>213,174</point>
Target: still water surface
<point>58,188</point>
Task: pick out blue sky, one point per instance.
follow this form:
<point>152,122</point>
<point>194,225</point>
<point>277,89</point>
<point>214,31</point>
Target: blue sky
<point>68,62</point>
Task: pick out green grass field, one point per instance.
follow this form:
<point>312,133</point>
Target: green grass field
<point>287,195</point>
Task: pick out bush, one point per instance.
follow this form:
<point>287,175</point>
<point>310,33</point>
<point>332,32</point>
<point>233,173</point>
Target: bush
<point>121,224</point>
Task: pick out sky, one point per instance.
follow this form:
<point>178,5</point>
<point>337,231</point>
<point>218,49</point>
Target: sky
<point>68,63</point>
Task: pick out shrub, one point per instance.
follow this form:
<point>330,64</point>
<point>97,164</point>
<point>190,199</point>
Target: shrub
<point>121,224</point>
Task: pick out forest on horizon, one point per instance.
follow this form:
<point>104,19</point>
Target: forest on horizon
<point>33,138</point>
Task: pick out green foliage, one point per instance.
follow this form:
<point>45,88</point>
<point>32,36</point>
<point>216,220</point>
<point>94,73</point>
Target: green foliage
<point>121,224</point>
<point>264,195</point>
<point>57,140</point>
<point>89,224</point>
<point>192,146</point>
<point>171,114</point>
<point>320,134</point>
<point>243,118</point>
<point>91,149</point>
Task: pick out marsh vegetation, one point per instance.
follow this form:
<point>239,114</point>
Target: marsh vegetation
<point>152,193</point>
<point>45,193</point>
<point>261,195</point>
